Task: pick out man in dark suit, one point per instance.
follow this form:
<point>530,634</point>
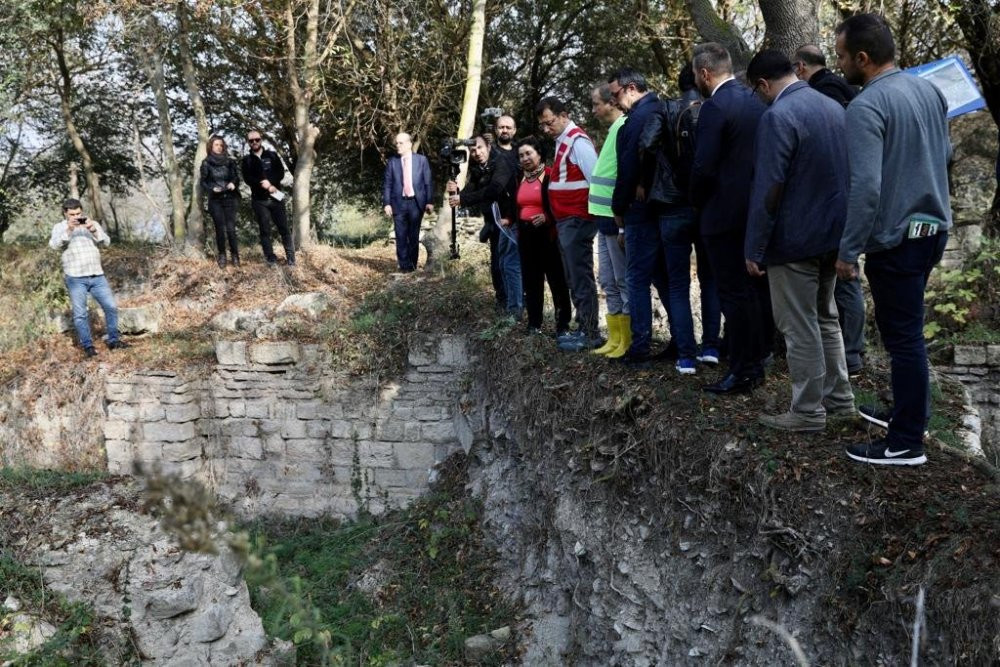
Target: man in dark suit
<point>406,194</point>
<point>798,205</point>
<point>810,65</point>
<point>720,187</point>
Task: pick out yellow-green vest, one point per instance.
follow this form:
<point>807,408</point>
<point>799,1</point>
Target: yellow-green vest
<point>602,181</point>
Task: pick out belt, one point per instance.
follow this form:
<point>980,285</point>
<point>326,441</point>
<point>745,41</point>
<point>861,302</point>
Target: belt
<point>408,198</point>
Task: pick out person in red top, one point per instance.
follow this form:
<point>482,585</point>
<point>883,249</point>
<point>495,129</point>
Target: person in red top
<point>538,241</point>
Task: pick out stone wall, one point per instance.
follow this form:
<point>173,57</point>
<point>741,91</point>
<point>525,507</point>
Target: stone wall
<point>275,429</point>
<point>977,367</point>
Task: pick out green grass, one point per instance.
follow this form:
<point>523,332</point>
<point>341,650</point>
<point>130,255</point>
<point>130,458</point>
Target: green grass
<point>435,589</point>
<point>32,480</point>
<point>347,226</point>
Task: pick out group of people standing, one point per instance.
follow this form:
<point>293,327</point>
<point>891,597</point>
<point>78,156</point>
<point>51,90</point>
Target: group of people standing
<point>777,185</point>
<point>262,171</point>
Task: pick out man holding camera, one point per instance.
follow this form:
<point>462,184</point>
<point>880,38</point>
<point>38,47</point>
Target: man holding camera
<point>79,239</point>
<point>493,181</point>
<point>263,171</point>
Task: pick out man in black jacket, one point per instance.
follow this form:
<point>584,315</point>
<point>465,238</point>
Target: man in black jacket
<point>263,171</point>
<point>493,180</point>
<point>810,66</point>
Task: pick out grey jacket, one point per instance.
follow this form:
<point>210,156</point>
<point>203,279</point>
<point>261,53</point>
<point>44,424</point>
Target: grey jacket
<point>798,200</point>
<point>898,150</point>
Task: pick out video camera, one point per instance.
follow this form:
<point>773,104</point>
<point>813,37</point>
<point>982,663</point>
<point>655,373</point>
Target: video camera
<point>455,152</point>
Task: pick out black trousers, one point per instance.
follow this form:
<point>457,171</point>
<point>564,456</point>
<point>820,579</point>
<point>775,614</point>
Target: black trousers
<point>746,304</point>
<point>267,211</point>
<point>406,222</point>
<point>541,261</point>
<point>223,212</point>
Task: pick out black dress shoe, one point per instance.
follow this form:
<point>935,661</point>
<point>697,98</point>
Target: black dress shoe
<point>636,361</point>
<point>732,384</point>
<point>118,345</point>
<point>668,353</point>
<point>89,352</point>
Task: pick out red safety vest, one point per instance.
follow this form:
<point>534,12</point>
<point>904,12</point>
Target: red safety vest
<point>568,188</point>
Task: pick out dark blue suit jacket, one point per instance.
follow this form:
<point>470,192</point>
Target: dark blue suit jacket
<point>723,161</point>
<point>802,153</point>
<point>392,184</point>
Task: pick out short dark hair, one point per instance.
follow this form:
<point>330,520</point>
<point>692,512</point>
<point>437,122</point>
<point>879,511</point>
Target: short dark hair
<point>603,91</point>
<point>626,76</point>
<point>535,143</point>
<point>810,54</point>
<point>869,33</point>
<point>769,64</point>
<point>553,104</point>
<point>714,57</point>
<point>70,204</point>
<point>685,79</point>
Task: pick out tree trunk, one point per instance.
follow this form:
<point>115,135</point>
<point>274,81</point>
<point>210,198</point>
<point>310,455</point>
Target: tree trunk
<point>64,87</point>
<point>789,23</point>
<point>714,28</point>
<point>305,131</point>
<point>438,240</point>
<point>980,24</point>
<point>152,62</point>
<point>195,219</point>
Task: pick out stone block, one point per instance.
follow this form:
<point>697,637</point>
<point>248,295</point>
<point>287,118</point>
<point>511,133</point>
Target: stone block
<point>431,413</point>
<point>341,451</point>
<point>275,354</point>
<point>119,391</point>
<point>311,410</point>
<point>123,411</point>
<point>307,450</point>
<point>268,426</point>
<point>453,351</point>
<point>415,480</point>
<point>119,453</point>
<point>376,454</point>
<point>422,350</point>
<point>970,355</point>
<point>317,428</point>
<point>993,355</point>
<point>414,455</point>
<point>300,471</point>
<point>139,320</point>
<point>389,431</point>
<point>115,429</point>
<point>273,444</point>
<point>438,432</point>
<point>151,411</point>
<point>293,428</point>
<point>166,432</point>
<point>246,447</point>
<point>231,352</point>
<point>182,451</point>
<point>149,451</point>
<point>220,408</point>
<point>183,413</point>
<point>238,408</point>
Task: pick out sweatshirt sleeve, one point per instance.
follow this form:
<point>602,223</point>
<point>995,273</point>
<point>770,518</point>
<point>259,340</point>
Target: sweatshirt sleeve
<point>627,146</point>
<point>865,143</point>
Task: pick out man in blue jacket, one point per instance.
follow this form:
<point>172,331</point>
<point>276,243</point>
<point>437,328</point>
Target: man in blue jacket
<point>407,190</point>
<point>798,204</point>
<point>720,187</point>
<point>898,215</point>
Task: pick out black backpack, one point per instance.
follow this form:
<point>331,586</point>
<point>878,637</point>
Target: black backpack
<point>682,119</point>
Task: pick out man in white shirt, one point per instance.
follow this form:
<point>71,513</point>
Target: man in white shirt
<point>79,238</point>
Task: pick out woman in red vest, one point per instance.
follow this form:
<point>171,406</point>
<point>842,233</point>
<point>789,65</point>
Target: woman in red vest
<point>538,242</point>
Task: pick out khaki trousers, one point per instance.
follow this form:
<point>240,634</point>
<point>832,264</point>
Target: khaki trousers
<point>806,314</point>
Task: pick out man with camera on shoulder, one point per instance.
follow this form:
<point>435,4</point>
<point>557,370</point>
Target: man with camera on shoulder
<point>493,180</point>
<point>79,238</point>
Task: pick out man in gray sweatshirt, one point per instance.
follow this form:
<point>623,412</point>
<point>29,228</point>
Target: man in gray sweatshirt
<point>898,214</point>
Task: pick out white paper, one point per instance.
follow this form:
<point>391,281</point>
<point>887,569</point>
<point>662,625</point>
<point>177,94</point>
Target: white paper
<point>278,194</point>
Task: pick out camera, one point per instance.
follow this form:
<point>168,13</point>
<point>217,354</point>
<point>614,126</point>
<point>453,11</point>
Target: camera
<point>456,151</point>
<point>489,118</point>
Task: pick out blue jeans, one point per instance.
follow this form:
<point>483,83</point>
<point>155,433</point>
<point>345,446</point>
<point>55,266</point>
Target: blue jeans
<point>510,270</point>
<point>98,287</point>
<point>678,232</point>
<point>897,278</point>
<point>644,258</point>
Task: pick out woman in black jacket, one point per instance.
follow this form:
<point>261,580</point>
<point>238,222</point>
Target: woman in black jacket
<point>220,183</point>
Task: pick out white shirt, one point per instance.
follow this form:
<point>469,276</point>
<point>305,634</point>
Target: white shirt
<point>716,89</point>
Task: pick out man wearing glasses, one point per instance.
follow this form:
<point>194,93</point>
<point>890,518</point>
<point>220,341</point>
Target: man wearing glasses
<point>263,171</point>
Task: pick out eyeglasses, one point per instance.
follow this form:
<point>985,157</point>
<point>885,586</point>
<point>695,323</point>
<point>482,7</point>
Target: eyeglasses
<point>254,140</point>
